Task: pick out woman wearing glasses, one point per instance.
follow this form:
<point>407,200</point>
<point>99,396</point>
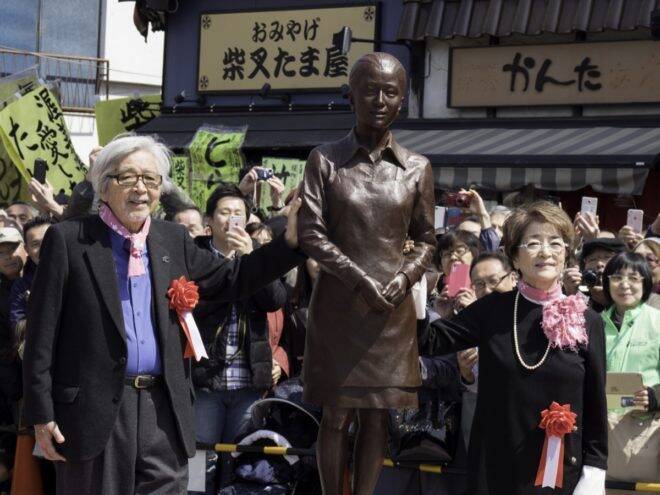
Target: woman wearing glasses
<point>540,425</point>
<point>453,247</point>
<point>632,338</point>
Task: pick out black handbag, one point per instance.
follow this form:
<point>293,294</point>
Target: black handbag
<point>429,434</point>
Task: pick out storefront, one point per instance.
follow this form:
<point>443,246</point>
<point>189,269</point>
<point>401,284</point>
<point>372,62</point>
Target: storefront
<point>270,66</point>
<point>560,96</point>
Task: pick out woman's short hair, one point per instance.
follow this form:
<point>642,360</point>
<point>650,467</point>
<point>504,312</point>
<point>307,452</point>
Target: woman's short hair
<point>453,237</point>
<point>539,211</point>
<point>118,149</point>
<point>634,262</point>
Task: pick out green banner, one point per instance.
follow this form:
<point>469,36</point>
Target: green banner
<point>15,85</point>
<point>114,117</point>
<point>33,127</point>
<point>289,170</point>
<point>215,155</point>
<point>12,186</point>
<point>180,172</point>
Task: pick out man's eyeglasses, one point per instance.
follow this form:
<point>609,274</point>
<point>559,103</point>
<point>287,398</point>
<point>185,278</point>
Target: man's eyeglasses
<point>492,282</point>
<point>534,247</point>
<point>631,279</point>
<point>151,181</point>
<point>458,251</point>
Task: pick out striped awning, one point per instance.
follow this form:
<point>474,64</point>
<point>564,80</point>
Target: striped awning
<point>609,159</point>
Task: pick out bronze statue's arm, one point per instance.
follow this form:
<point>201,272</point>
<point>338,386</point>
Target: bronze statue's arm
<point>312,228</point>
<point>422,228</point>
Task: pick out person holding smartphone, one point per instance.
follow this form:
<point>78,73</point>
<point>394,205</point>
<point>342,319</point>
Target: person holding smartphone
<point>240,365</point>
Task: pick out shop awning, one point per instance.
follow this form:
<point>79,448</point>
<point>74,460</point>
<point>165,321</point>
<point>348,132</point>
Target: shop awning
<point>266,131</point>
<point>609,159</point>
<point>447,19</point>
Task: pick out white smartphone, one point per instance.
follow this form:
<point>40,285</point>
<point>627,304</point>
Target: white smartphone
<point>236,221</point>
<point>440,216</point>
<point>589,205</point>
<point>636,220</point>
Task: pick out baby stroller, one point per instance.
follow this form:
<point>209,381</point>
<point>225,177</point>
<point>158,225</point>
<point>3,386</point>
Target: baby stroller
<point>282,420</point>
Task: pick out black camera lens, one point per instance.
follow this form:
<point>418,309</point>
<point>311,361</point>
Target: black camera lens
<point>591,278</point>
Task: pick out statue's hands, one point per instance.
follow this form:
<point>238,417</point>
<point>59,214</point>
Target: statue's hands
<point>370,290</point>
<point>395,291</point>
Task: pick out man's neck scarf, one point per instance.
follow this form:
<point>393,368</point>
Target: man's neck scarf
<point>138,240</point>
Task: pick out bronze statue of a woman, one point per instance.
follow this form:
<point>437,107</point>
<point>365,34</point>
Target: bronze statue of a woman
<point>363,196</point>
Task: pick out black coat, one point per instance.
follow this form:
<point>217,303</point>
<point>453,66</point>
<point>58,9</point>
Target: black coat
<point>211,314</point>
<point>75,349</point>
<point>506,442</point>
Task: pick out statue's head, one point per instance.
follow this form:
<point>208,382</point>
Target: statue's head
<point>377,85</point>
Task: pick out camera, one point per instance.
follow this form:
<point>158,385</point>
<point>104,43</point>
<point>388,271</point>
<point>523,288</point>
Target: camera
<point>592,278</point>
<point>264,174</point>
<point>456,199</point>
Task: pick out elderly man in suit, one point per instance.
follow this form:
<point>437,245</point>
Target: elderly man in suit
<point>107,386</point>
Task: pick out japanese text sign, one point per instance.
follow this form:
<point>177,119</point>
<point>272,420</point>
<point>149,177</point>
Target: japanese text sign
<point>289,170</point>
<point>559,74</point>
<point>288,49</point>
<point>114,117</point>
<point>33,127</point>
<point>216,157</point>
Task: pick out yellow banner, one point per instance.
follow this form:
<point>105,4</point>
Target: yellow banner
<point>288,49</point>
<point>114,117</point>
<point>216,157</point>
<point>289,170</point>
<point>33,127</point>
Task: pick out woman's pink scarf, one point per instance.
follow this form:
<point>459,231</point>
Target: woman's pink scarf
<point>563,316</point>
<point>138,240</point>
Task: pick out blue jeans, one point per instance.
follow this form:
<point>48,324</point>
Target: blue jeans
<point>220,415</point>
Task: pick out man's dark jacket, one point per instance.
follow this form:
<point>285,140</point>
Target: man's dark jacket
<point>75,350</point>
<point>212,314</point>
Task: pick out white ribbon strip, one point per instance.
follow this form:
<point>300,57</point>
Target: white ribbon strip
<point>197,344</point>
<point>552,462</point>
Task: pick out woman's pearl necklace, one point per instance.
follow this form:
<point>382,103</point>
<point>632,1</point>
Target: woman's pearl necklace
<point>515,341</point>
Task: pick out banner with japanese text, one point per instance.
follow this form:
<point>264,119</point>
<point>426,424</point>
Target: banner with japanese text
<point>14,86</point>
<point>216,157</point>
<point>289,170</point>
<point>114,117</point>
<point>287,49</point>
<point>33,127</point>
<point>180,172</point>
<point>12,186</point>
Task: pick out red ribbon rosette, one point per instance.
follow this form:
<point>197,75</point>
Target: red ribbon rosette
<point>184,296</point>
<point>557,421</point>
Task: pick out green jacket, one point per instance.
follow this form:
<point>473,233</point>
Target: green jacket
<point>636,348</point>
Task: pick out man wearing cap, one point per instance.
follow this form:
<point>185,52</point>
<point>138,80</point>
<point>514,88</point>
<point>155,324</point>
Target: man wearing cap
<point>593,258</point>
<point>12,259</point>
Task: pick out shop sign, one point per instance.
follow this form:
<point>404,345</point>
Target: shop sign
<point>559,74</point>
<point>287,49</point>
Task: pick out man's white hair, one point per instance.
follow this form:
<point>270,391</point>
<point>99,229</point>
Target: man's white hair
<point>119,148</point>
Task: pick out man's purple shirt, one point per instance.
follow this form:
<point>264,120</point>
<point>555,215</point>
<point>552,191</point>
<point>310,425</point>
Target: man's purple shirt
<point>135,294</point>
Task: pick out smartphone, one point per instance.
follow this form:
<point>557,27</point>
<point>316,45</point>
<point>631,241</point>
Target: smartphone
<point>40,169</point>
<point>440,217</point>
<point>627,401</point>
<point>459,278</point>
<point>236,221</point>
<point>589,205</point>
<point>635,220</point>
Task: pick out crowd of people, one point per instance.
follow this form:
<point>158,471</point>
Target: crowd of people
<point>518,261</point>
